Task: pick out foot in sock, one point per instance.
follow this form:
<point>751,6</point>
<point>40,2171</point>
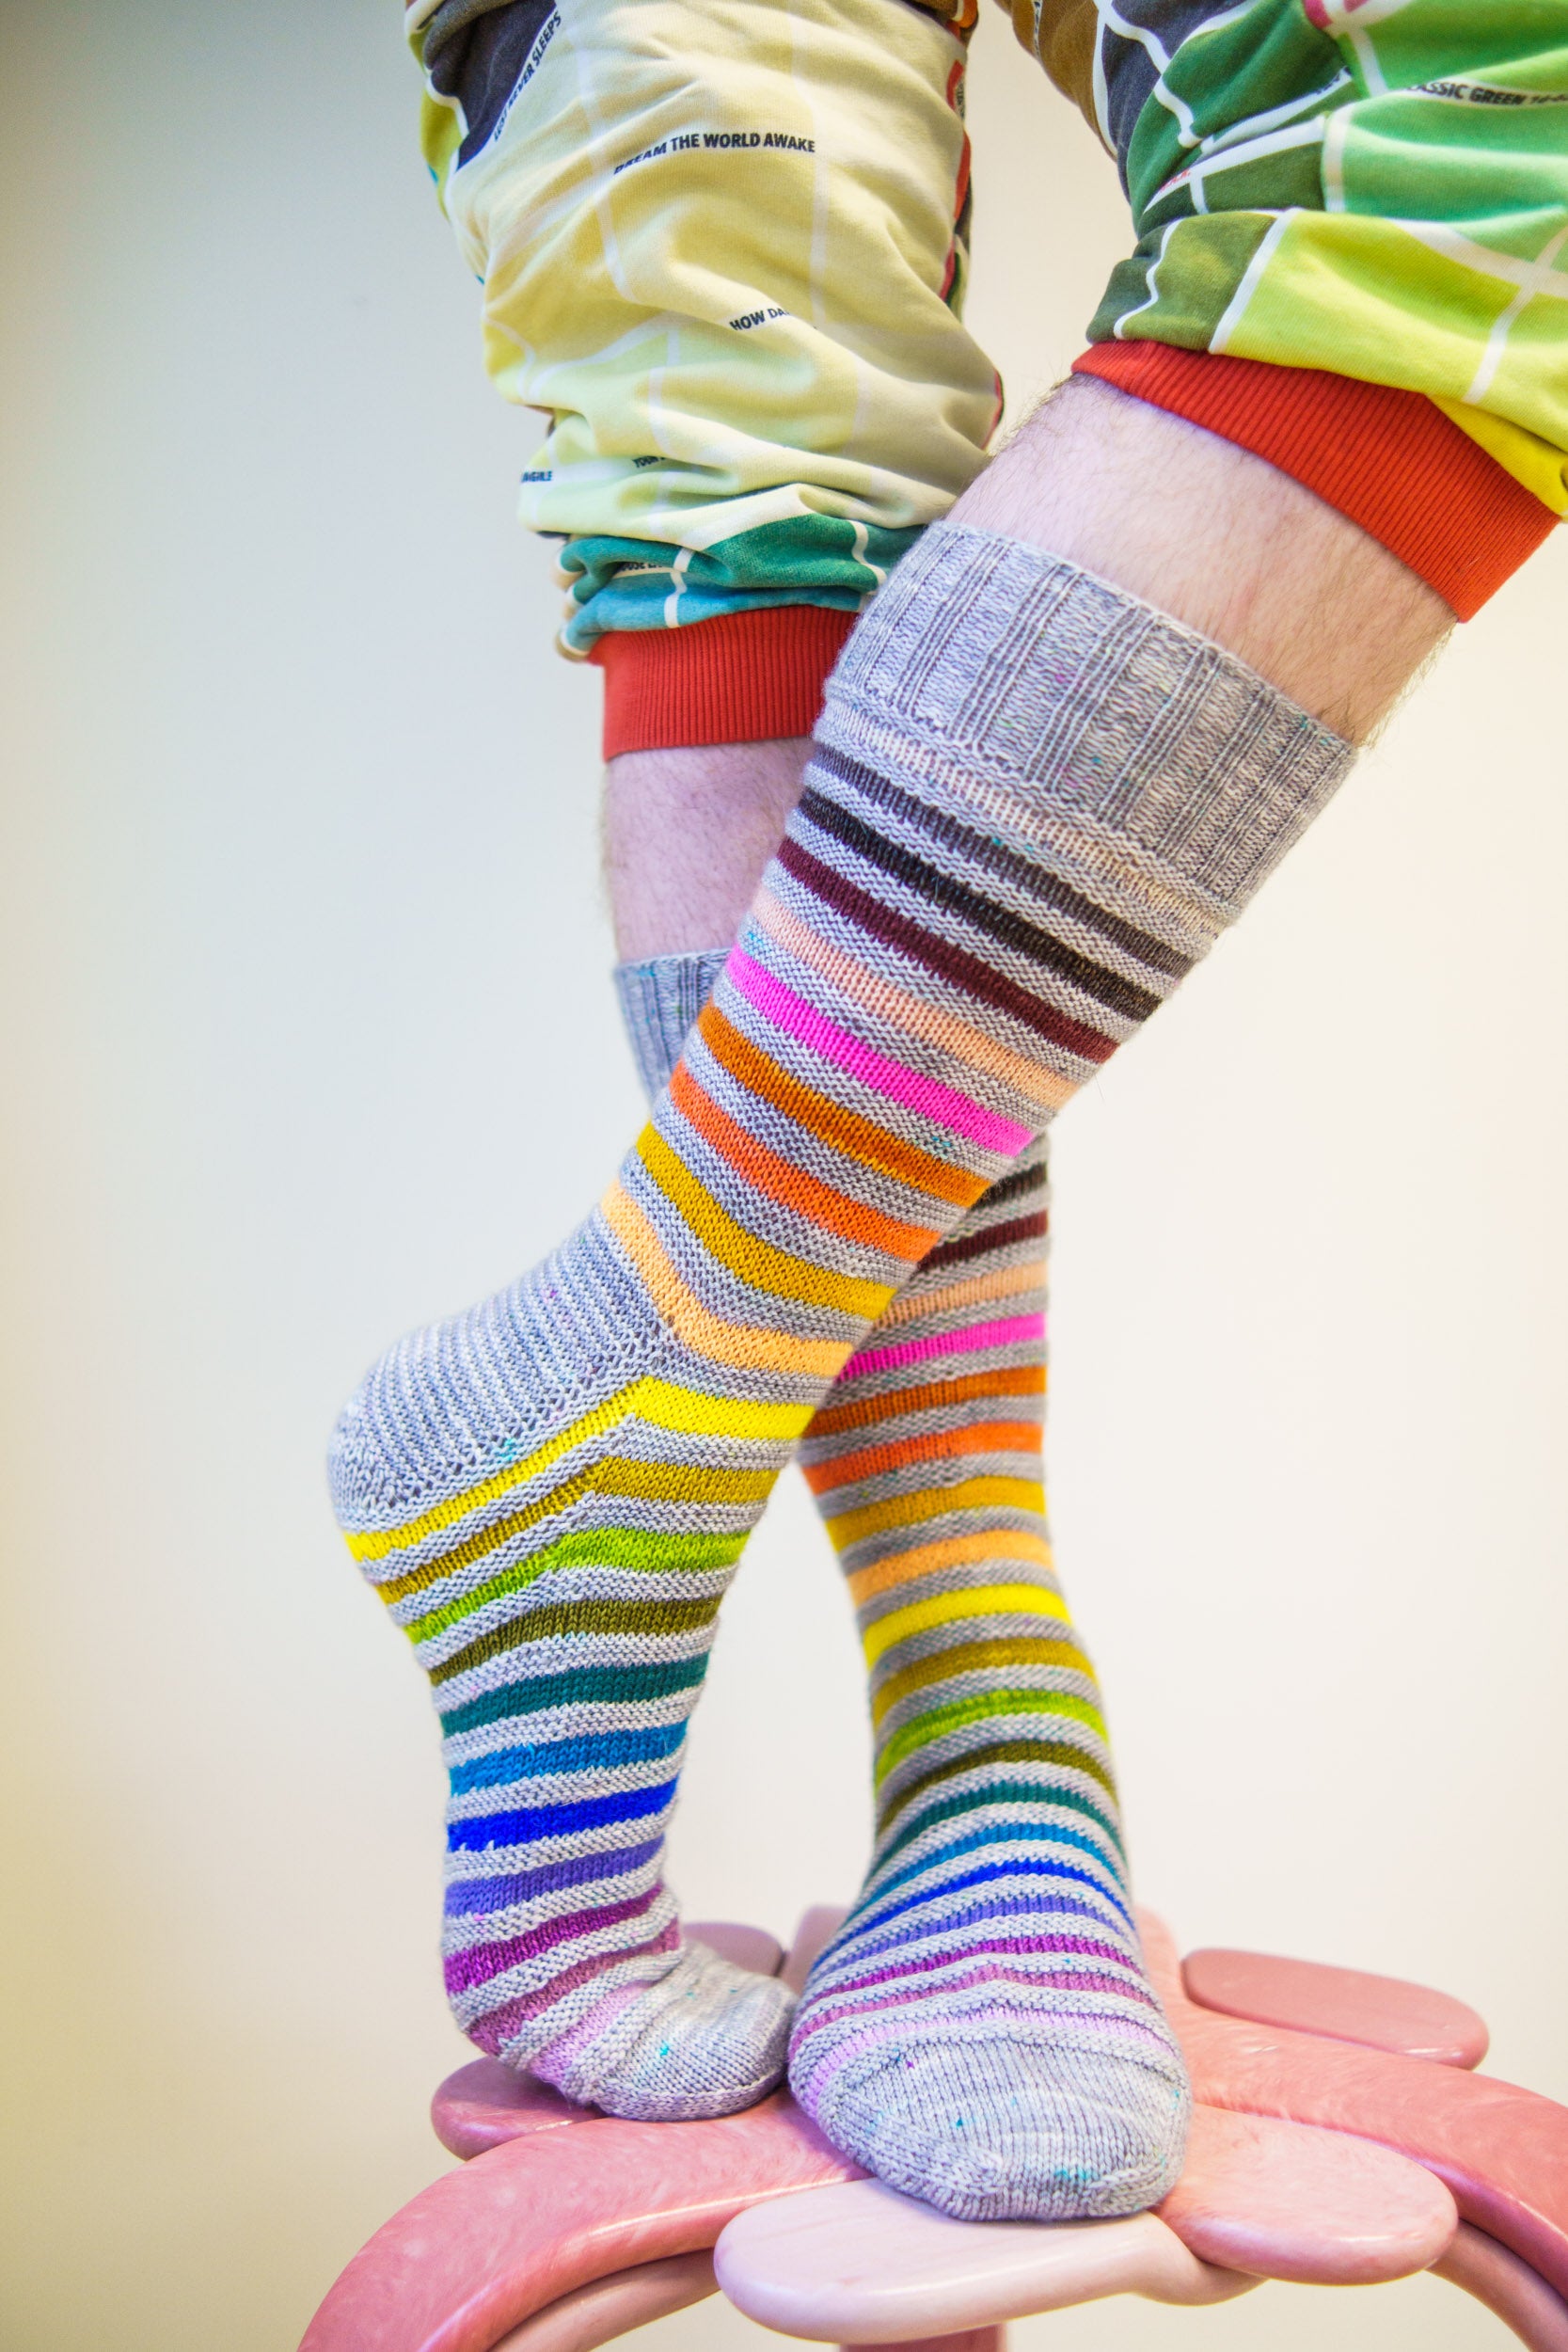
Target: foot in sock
<point>983,2017</point>
<point>1033,804</point>
<point>999,1871</point>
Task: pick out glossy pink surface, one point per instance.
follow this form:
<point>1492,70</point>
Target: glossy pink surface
<point>858,2264</point>
<point>557,2239</point>
<point>1502,2151</point>
<point>1286,2202</point>
<point>1536,2314</point>
<point>485,2103</point>
<point>487,2247</point>
<point>613,2307</point>
<point>1345,2004</point>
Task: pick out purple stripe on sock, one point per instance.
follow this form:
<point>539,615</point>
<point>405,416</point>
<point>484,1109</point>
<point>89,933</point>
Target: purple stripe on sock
<point>476,1966</point>
<point>887,2005</point>
<point>900,1083</point>
<point>919,1931</point>
<point>492,2032</point>
<point>1061,1946</point>
<point>522,1886</point>
<point>1073,1947</point>
<point>1012,1331</point>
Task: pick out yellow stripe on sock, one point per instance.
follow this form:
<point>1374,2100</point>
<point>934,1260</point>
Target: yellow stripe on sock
<point>745,1346</point>
<point>648,1482</point>
<point>686,1411</point>
<point>932,1502</point>
<point>988,1600</point>
<point>949,1551</point>
<point>755,1262</point>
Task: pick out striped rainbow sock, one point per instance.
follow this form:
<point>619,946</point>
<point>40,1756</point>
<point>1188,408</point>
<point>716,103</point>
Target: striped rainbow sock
<point>1034,804</point>
<point>997,1900</point>
<point>926,1462</point>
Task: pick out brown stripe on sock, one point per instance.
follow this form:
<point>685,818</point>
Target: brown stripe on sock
<point>950,964</point>
<point>1020,1380</point>
<point>990,1237</point>
<point>1048,890</point>
<point>982,914</point>
<point>640,1620</point>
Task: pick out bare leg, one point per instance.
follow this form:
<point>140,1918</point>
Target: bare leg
<point>1198,527</point>
<point>1223,541</point>
<point>687,835</point>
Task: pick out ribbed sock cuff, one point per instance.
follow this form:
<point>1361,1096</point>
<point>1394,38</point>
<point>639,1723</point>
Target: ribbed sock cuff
<point>744,678</point>
<point>1053,713</point>
<point>1388,458</point>
<point>660,1001</point>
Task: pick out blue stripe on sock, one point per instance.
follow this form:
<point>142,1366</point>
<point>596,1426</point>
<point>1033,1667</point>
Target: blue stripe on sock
<point>587,1752</point>
<point>1002,1832</point>
<point>522,1886</point>
<point>557,1820</point>
<point>576,1686</point>
<point>979,1878</point>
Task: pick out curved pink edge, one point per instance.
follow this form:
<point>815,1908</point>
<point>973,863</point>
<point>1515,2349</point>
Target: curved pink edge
<point>486,2247</point>
<point>607,2308</point>
<point>1286,2200</point>
<point>1519,2296</point>
<point>485,2104</point>
<point>1342,2004</point>
<point>1502,2151</point>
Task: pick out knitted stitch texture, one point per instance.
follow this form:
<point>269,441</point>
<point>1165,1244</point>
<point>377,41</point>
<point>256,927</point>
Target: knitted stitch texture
<point>1033,804</point>
<point>660,1001</point>
<point>926,1463</point>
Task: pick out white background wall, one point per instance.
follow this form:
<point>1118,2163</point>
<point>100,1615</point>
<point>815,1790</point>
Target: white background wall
<point>308,1036</point>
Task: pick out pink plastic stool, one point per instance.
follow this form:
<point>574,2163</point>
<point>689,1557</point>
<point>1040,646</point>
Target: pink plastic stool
<point>1339,2138</point>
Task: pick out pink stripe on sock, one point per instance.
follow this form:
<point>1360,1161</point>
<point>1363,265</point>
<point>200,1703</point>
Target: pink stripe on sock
<point>557,2056</point>
<point>900,1083</point>
<point>1008,1333</point>
<point>492,2031</point>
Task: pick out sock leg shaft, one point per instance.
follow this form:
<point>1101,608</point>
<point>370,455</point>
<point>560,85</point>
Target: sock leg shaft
<point>1032,805</point>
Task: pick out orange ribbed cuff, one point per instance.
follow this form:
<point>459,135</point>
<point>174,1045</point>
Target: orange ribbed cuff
<point>743,678</point>
<point>1390,459</point>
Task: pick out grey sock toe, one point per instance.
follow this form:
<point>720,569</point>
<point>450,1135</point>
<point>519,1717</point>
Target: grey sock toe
<point>1010,2131</point>
<point>708,2038</point>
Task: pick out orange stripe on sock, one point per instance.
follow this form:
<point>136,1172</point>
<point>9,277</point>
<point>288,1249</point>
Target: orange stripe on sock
<point>955,1552</point>
<point>991,1436</point>
<point>1017,1380</point>
<point>747,1347</point>
<point>1006,1284</point>
<point>934,1502</point>
<point>843,1130</point>
<point>781,1180</point>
